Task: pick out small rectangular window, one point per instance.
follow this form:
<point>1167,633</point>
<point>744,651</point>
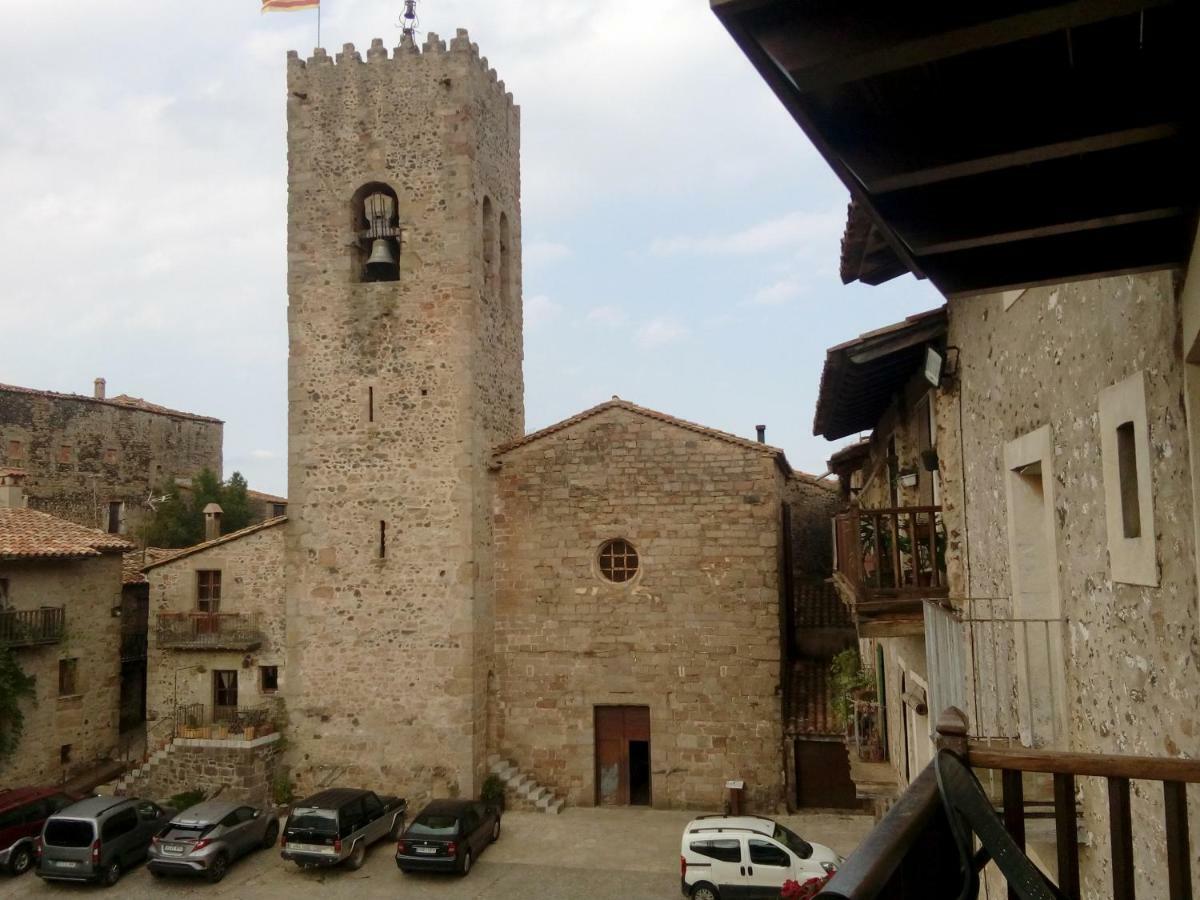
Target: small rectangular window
<point>1131,514</point>
<point>382,539</point>
<point>68,677</point>
<point>64,754</point>
<point>268,679</point>
<point>16,450</point>
<point>370,404</point>
<point>208,591</point>
<point>64,453</point>
<point>110,456</point>
<point>114,516</point>
<point>279,509</point>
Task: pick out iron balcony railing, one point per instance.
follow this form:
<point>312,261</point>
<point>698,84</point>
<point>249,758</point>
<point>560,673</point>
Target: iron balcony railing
<point>196,720</point>
<point>31,627</point>
<point>208,631</point>
<point>892,555</point>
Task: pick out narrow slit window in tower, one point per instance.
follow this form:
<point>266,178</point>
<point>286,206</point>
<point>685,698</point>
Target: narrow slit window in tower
<point>370,404</point>
<point>382,539</point>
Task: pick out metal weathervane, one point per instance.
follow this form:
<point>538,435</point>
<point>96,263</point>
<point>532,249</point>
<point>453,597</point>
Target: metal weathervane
<point>408,20</point>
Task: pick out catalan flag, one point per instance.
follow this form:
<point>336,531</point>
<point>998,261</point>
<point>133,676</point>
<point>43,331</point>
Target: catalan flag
<point>289,5</point>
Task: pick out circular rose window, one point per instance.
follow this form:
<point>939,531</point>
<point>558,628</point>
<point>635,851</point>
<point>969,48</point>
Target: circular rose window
<point>618,560</point>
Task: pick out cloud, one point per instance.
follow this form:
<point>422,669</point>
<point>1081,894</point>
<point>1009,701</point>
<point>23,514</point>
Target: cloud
<point>540,310</point>
<point>611,316</point>
<point>543,253</point>
<point>795,231</point>
<point>263,454</point>
<point>659,332</point>
<point>779,293</point>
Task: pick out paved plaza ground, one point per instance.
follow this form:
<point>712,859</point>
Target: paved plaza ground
<point>608,854</point>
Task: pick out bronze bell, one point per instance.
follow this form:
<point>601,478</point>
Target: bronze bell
<point>382,262</point>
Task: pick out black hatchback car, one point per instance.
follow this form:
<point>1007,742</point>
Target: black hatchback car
<point>448,836</point>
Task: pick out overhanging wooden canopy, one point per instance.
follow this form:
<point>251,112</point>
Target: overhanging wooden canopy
<point>993,145</point>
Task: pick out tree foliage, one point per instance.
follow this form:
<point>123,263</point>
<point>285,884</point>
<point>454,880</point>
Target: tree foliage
<point>178,521</point>
<point>14,684</point>
<point>848,681</point>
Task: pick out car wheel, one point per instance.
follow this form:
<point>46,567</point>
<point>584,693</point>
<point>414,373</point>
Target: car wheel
<point>21,860</point>
<point>705,891</point>
<point>112,874</point>
<point>496,831</point>
<point>216,871</point>
<point>357,855</point>
<point>271,836</point>
<point>466,863</point>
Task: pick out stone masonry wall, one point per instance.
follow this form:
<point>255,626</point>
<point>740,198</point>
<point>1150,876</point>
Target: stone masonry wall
<point>813,505</point>
<point>237,771</point>
<point>695,636</point>
<point>1132,653</point>
<point>252,584</point>
<point>86,719</point>
<point>398,391</point>
<point>81,453</point>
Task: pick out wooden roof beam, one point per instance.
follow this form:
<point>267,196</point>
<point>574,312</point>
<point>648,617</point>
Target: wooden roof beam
<point>1008,237</point>
<point>823,49</point>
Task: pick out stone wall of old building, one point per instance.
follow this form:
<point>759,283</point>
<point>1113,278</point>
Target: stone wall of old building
<point>694,636</point>
<point>398,391</point>
<point>1131,653</point>
<point>84,454</point>
<point>238,771</point>
<point>84,719</point>
<point>813,505</point>
<point>252,585</point>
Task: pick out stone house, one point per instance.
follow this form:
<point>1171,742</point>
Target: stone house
<point>60,604</point>
<point>217,632</point>
<point>96,460</point>
<point>1067,443</point>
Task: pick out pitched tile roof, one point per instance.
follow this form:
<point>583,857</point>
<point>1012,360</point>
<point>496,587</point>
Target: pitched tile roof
<point>122,400</point>
<point>812,699</point>
<point>266,498</point>
<point>132,562</point>
<point>618,403</point>
<point>819,606</point>
<point>29,534</point>
<point>173,555</point>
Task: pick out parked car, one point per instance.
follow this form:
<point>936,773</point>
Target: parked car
<point>339,825</point>
<point>23,811</point>
<point>98,838</point>
<point>448,836</point>
<point>204,839</point>
<point>747,856</point>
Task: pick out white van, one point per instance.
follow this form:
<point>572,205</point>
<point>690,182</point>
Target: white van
<point>736,857</point>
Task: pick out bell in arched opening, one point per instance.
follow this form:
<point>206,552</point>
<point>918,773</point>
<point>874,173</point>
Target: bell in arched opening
<point>382,235</point>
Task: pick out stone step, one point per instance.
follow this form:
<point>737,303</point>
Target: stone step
<point>537,794</point>
<point>554,808</point>
<point>492,760</point>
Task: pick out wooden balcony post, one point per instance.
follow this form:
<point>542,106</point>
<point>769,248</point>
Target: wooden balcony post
<point>952,730</point>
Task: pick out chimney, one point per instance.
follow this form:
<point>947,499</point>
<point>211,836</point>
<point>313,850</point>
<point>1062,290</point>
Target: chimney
<point>99,392</point>
<point>762,433</point>
<point>212,522</point>
<point>12,492</point>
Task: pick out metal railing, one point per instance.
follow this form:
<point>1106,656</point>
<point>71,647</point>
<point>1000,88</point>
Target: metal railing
<point>898,552</point>
<point>196,720</point>
<point>30,627</point>
<point>208,631</point>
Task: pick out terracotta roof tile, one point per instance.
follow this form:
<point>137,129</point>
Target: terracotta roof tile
<point>819,606</point>
<point>123,400</point>
<point>172,555</point>
<point>812,700</point>
<point>618,403</point>
<point>29,534</point>
<point>266,498</point>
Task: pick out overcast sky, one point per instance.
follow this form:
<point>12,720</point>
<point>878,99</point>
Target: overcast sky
<point>681,235</point>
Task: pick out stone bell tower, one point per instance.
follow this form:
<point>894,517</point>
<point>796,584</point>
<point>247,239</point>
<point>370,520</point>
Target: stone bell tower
<point>404,371</point>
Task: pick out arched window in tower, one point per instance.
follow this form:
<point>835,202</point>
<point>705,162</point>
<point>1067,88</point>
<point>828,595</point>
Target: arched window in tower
<point>489,249</point>
<point>505,264</point>
<point>377,227</point>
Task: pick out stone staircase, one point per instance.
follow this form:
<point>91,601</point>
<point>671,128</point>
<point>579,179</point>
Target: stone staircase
<point>139,773</point>
<point>521,791</point>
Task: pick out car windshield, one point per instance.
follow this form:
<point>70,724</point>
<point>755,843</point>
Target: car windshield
<point>323,821</point>
<point>793,841</point>
<point>434,825</point>
<point>69,833</point>
<point>176,832</point>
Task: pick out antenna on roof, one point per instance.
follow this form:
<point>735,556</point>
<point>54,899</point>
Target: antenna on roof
<point>408,20</point>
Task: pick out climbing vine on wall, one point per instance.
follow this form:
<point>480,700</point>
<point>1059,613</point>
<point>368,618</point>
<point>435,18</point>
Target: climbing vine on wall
<point>14,684</point>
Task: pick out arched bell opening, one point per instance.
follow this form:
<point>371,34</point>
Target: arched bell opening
<point>376,223</point>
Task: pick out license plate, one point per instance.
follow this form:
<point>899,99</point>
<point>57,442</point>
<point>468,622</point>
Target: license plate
<point>173,848</point>
<point>310,848</point>
<point>430,850</point>
<point>65,864</point>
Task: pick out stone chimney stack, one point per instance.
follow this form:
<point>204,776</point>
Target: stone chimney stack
<point>99,392</point>
<point>12,491</point>
<point>212,522</point>
<point>762,433</point>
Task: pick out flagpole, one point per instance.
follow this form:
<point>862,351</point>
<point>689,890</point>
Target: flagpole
<point>318,24</point>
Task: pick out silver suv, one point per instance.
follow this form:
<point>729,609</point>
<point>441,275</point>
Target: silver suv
<point>204,839</point>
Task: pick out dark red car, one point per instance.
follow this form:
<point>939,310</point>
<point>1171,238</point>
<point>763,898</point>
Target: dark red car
<point>22,813</point>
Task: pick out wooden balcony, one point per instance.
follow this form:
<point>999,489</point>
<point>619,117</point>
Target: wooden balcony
<point>208,631</point>
<point>912,851</point>
<point>32,627</point>
<point>886,562</point>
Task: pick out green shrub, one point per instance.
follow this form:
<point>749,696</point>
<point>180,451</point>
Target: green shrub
<point>282,790</point>
<point>180,802</point>
<point>848,681</point>
<point>492,791</point>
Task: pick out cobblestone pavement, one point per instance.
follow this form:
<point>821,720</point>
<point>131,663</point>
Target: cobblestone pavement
<point>606,854</point>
